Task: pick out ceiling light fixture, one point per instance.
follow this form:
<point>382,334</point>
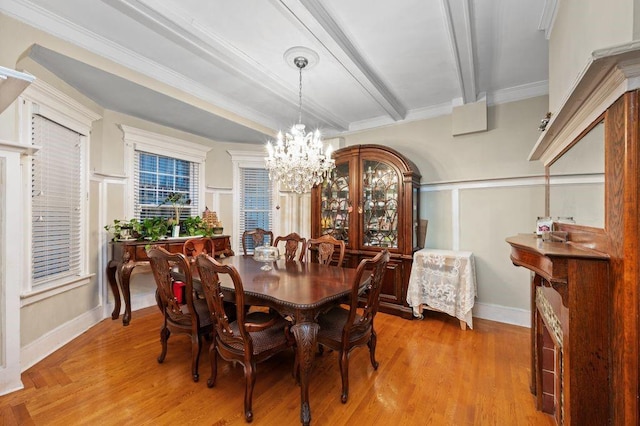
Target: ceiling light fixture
<point>298,160</point>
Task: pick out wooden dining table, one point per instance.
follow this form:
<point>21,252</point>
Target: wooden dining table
<point>299,290</point>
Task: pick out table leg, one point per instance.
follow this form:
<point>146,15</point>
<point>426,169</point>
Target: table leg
<point>306,338</point>
<point>112,267</point>
<point>125,276</point>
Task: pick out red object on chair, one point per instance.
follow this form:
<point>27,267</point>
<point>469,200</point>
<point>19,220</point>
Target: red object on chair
<point>178,291</point>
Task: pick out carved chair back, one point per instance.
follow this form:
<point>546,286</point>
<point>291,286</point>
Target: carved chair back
<point>257,238</point>
<point>327,249</point>
<point>294,245</point>
<point>195,246</point>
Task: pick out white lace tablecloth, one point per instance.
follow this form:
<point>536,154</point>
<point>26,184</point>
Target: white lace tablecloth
<point>444,280</point>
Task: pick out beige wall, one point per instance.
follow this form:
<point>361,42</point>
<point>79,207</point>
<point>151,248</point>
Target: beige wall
<point>580,28</point>
<point>477,189</point>
<point>500,152</point>
<point>487,217</point>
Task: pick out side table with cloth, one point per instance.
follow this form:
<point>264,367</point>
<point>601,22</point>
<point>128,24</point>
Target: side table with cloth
<point>443,280</point>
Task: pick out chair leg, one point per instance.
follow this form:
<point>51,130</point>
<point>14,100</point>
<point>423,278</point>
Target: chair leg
<point>213,357</point>
<point>164,336</point>
<point>250,380</point>
<point>372,349</point>
<point>344,373</point>
<point>196,344</point>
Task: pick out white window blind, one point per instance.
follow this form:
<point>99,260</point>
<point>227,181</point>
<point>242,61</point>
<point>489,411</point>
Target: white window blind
<point>56,201</point>
<point>158,176</point>
<point>255,201</point>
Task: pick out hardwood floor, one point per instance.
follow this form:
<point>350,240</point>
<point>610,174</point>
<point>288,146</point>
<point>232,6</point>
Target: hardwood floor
<point>431,373</point>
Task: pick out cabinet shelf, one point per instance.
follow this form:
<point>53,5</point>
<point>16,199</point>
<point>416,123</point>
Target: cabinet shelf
<point>369,190</point>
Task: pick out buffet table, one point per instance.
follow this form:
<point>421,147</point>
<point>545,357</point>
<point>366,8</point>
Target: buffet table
<point>128,254</point>
<point>443,280</point>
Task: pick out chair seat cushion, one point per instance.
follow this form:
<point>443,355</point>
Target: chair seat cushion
<point>201,309</point>
<point>332,324</point>
<point>263,340</point>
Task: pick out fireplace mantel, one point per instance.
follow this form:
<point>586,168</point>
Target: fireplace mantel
<point>570,329</point>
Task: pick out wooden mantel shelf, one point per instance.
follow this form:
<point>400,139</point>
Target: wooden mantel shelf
<point>569,328</point>
<point>547,259</point>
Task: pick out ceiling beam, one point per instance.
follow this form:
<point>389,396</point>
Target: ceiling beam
<point>458,21</point>
<point>172,23</point>
<point>315,18</point>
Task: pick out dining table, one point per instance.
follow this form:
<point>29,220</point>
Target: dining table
<point>298,290</point>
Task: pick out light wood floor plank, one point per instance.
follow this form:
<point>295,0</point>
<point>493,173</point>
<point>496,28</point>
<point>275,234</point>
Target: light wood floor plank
<point>431,373</point>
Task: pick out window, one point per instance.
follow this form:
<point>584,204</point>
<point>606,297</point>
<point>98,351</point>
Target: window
<point>161,165</point>
<point>254,200</point>
<point>56,242</point>
<point>56,201</point>
<point>157,177</point>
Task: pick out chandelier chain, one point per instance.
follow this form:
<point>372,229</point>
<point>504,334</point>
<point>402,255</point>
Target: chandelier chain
<point>300,95</point>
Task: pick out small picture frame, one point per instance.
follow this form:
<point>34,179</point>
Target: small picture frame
<point>544,224</point>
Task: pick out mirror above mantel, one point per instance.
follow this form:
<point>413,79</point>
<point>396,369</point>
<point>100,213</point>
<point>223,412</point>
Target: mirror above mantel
<point>572,147</point>
<point>576,180</point>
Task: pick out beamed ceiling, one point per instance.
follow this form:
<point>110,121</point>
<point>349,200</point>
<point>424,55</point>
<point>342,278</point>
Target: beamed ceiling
<point>379,62</point>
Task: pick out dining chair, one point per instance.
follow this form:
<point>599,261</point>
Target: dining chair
<point>325,246</point>
<point>194,246</point>
<point>257,238</point>
<point>191,317</point>
<point>242,341</point>
<point>343,329</point>
<point>294,245</point>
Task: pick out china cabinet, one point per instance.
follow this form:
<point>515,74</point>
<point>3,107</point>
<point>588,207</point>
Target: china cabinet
<point>370,201</point>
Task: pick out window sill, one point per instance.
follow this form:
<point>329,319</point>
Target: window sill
<point>53,289</point>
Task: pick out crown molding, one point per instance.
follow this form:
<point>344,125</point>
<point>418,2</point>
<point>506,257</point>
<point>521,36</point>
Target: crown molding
<point>42,19</point>
<point>171,22</point>
<point>518,93</point>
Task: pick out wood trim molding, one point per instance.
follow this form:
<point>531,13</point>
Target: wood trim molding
<point>609,74</point>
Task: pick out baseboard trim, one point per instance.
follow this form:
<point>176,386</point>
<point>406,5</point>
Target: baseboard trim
<point>10,380</point>
<point>52,341</point>
<point>505,314</point>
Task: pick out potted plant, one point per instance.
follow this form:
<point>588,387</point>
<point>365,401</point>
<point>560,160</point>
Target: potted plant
<point>195,226</point>
<point>154,228</point>
<point>178,200</point>
<point>124,229</point>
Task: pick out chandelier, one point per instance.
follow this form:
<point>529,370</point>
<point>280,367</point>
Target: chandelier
<point>297,160</point>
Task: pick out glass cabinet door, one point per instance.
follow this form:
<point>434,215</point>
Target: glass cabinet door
<point>380,204</point>
<point>336,204</point>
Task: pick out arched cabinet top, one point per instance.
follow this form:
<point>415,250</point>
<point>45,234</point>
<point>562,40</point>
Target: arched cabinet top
<point>388,154</point>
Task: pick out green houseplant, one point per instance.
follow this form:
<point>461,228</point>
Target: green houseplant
<point>154,228</point>
<point>124,229</point>
<point>196,226</point>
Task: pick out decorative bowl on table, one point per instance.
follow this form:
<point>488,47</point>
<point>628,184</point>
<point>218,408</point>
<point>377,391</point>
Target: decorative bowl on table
<point>267,255</point>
